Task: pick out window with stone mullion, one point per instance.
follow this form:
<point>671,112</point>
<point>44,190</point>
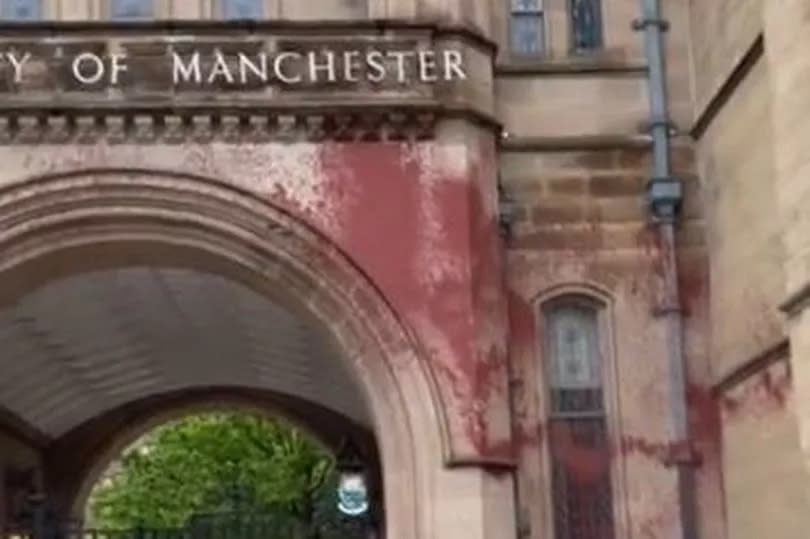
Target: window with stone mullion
<point>242,9</point>
<point>578,437</point>
<point>131,9</point>
<point>586,25</point>
<point>21,10</point>
<point>527,27</point>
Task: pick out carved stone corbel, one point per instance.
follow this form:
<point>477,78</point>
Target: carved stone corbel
<point>258,129</point>
<point>116,129</point>
<point>174,130</point>
<point>86,129</point>
<point>28,130</point>
<point>144,128</point>
<point>231,128</point>
<point>57,131</point>
<point>316,127</point>
<point>201,129</point>
<point>286,127</point>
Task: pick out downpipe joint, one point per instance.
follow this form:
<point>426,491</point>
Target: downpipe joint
<point>664,198</point>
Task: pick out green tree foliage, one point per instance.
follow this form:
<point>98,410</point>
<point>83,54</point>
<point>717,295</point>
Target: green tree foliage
<point>217,464</point>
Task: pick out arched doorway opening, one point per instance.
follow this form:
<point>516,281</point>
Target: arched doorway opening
<point>178,243</point>
<point>101,441</point>
<point>228,468</point>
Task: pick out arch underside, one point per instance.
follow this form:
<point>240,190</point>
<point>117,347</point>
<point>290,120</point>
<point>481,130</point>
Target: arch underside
<point>96,341</point>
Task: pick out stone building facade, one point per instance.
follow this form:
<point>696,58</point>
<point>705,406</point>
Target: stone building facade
<point>424,225</point>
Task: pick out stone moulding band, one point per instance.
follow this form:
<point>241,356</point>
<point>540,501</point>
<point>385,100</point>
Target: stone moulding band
<point>253,124</point>
<point>201,127</point>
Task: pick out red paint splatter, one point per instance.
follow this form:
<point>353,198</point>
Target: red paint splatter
<point>759,395</point>
<point>693,281</point>
<point>457,306</point>
<point>521,321</point>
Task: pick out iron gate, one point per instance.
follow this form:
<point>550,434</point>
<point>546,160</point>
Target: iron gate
<point>205,527</point>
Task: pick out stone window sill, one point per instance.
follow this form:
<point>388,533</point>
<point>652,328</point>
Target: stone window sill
<point>569,66</point>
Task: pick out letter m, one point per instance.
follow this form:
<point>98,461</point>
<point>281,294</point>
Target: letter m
<point>189,72</point>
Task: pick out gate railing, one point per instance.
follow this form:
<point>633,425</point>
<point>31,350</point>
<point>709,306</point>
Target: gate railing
<point>108,534</point>
<point>182,533</point>
<point>258,529</point>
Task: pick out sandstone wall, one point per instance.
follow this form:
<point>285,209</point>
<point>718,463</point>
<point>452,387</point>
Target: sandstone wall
<point>753,375</point>
<point>747,279</point>
<point>722,32</point>
<point>765,479</point>
<point>582,222</point>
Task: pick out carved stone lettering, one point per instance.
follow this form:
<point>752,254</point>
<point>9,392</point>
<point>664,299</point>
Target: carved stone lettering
<point>236,66</point>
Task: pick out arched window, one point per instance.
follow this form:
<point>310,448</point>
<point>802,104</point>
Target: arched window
<point>586,25</point>
<point>526,27</point>
<point>21,10</point>
<point>131,9</point>
<point>578,438</point>
<point>242,9</point>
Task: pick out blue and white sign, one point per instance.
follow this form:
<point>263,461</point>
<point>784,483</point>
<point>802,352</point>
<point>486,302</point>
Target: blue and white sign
<point>352,495</point>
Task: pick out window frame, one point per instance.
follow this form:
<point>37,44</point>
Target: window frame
<point>42,8</point>
<point>539,14</point>
<point>569,15</point>
<point>220,7</point>
<point>600,302</point>
<point>159,11</point>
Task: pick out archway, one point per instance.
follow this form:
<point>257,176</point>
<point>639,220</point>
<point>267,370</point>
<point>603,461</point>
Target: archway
<point>58,228</point>
<point>101,440</point>
<point>229,463</point>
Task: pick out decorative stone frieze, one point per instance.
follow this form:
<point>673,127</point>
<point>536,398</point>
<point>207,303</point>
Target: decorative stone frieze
<point>177,127</point>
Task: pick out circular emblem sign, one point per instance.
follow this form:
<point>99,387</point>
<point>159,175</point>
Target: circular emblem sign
<point>352,496</point>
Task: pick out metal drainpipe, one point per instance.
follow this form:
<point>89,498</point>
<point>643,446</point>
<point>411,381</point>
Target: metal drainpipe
<point>664,193</point>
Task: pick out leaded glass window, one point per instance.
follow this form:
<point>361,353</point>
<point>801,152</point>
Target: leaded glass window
<point>21,10</point>
<point>526,27</point>
<point>131,9</point>
<point>242,9</point>
<point>578,437</point>
<point>586,24</point>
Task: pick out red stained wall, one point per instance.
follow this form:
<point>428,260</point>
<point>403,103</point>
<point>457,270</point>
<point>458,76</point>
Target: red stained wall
<point>420,221</point>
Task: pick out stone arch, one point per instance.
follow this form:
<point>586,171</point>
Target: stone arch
<point>65,224</point>
<point>586,288</point>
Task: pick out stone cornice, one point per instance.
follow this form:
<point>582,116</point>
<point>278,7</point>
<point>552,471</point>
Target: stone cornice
<point>436,29</point>
<point>573,66</point>
<point>797,301</point>
<point>232,123</point>
<point>520,144</point>
<point>778,351</point>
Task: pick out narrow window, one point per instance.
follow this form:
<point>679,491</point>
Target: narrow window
<point>242,9</point>
<point>131,9</point>
<point>21,10</point>
<point>586,25</point>
<point>526,27</point>
<point>578,438</point>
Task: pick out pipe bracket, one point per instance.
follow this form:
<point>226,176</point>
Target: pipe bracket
<point>649,126</point>
<point>642,24</point>
<point>683,455</point>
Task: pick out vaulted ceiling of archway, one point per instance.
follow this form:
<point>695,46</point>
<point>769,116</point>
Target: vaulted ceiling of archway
<point>92,342</point>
